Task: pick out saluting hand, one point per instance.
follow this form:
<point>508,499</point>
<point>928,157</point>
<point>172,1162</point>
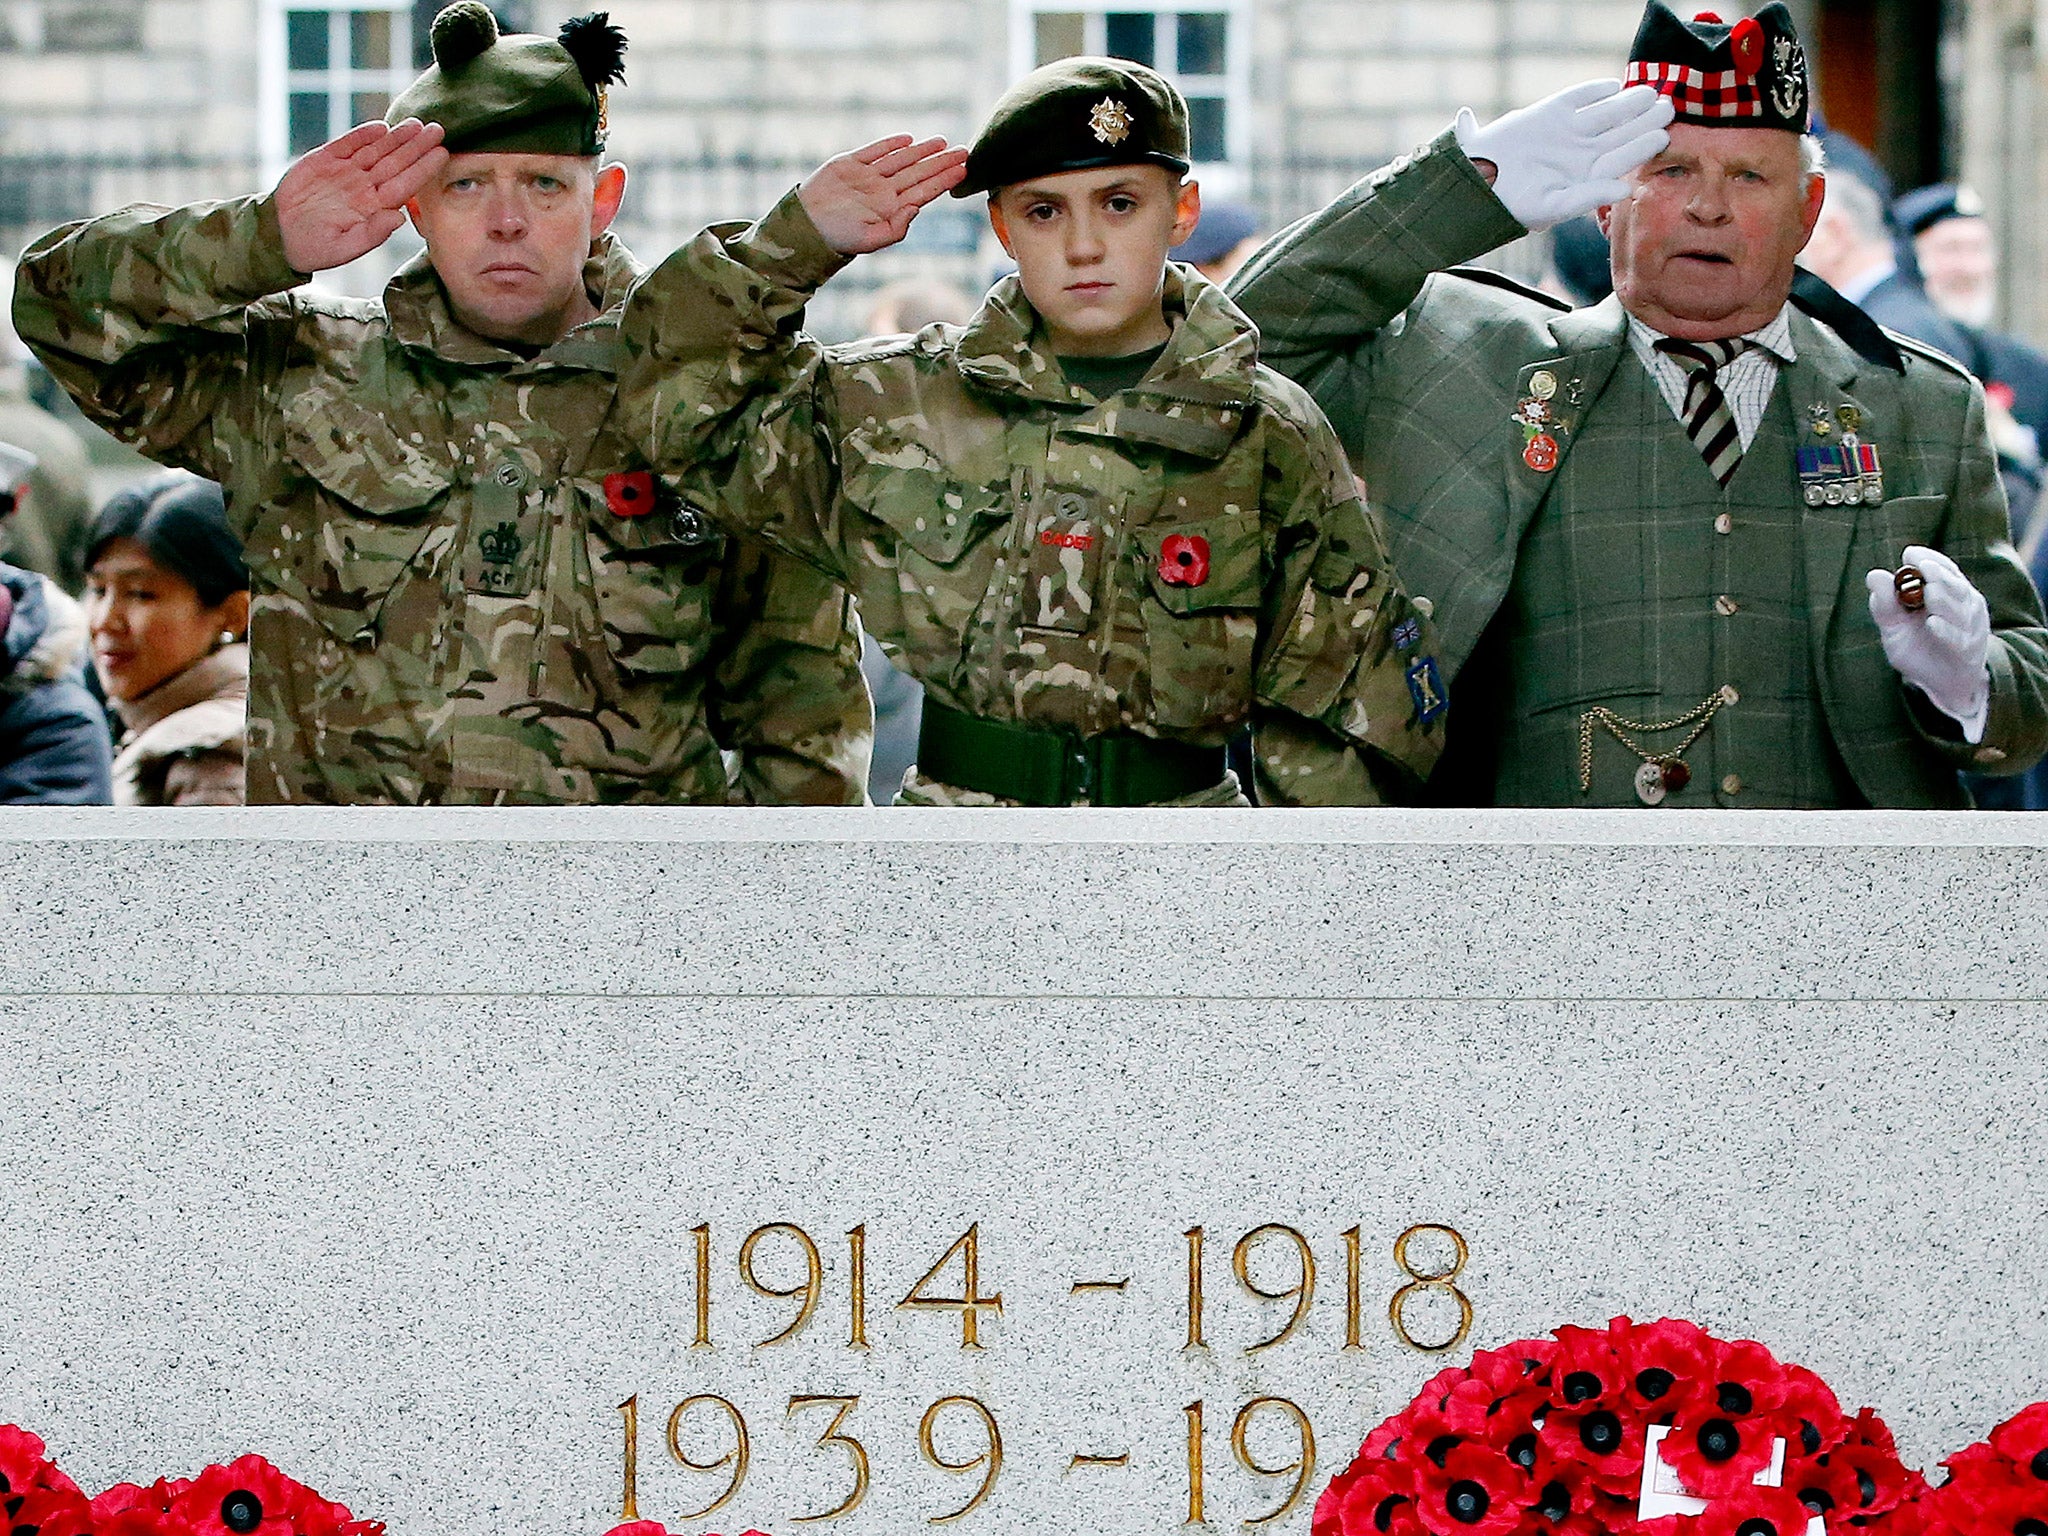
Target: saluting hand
<point>348,197</point>
<point>1570,152</point>
<point>865,199</point>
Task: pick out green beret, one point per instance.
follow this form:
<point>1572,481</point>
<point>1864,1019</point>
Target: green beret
<point>521,93</point>
<point>1077,114</point>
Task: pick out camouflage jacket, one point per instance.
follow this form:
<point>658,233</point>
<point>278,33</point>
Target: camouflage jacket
<point>466,586</point>
<point>1179,558</point>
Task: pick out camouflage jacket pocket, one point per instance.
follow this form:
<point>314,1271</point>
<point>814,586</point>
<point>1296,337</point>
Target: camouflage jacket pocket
<point>1216,563</point>
<point>946,535</point>
<point>358,456</point>
<point>936,521</point>
<point>655,574</point>
<point>1202,621</point>
<point>367,510</point>
<point>1339,623</point>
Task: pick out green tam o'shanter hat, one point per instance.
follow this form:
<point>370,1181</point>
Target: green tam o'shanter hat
<point>517,92</point>
<point>1075,115</point>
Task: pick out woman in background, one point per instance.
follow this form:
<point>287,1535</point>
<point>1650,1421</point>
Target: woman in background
<point>167,596</point>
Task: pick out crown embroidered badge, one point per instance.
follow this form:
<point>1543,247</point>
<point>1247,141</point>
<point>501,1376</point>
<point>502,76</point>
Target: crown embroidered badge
<point>500,545</point>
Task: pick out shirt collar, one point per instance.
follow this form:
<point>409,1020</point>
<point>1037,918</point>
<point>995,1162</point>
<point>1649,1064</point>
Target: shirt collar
<point>1774,338</point>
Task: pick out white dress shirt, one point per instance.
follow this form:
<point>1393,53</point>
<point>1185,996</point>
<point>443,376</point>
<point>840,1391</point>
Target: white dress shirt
<point>1747,382</point>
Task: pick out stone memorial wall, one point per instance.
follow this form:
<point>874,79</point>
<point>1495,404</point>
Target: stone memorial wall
<point>1012,1172</point>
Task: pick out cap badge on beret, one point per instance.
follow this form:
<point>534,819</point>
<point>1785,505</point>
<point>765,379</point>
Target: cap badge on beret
<point>1110,121</point>
<point>1748,74</point>
<point>1788,89</point>
<point>1079,114</point>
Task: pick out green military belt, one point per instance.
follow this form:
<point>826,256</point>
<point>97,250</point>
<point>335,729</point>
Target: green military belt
<point>1020,762</point>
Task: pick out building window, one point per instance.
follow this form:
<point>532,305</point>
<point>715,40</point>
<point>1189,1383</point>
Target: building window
<point>343,65</point>
<point>92,26</point>
<point>328,65</point>
<point>1200,48</point>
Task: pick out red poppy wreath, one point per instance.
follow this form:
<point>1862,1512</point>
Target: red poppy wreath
<point>1660,1429</point>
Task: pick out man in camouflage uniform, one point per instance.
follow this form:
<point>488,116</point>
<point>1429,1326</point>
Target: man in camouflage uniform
<point>468,587</point>
<point>1097,531</point>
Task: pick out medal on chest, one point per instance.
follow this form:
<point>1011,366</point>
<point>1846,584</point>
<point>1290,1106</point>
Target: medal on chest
<point>1542,423</point>
<point>1839,472</point>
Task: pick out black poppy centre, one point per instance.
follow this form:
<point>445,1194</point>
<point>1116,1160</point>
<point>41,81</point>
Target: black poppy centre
<point>1466,1501</point>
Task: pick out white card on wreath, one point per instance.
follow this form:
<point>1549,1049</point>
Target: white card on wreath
<point>1663,1494</point>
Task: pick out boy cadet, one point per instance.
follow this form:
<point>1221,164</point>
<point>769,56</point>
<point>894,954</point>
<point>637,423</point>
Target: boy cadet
<point>1728,542</point>
<point>1097,531</point>
<point>468,588</point>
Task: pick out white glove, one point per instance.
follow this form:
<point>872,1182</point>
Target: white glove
<point>1941,649</point>
<point>1567,154</point>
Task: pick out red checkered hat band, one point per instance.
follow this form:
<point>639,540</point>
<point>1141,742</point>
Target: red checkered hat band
<point>1698,95</point>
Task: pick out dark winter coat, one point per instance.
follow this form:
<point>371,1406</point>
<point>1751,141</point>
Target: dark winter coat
<point>55,748</point>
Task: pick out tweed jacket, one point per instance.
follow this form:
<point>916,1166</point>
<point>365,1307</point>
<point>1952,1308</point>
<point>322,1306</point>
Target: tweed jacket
<point>1420,369</point>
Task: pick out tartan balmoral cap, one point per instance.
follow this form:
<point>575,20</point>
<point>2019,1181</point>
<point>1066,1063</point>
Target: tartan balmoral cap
<point>516,92</point>
<point>1074,115</point>
<point>1749,73</point>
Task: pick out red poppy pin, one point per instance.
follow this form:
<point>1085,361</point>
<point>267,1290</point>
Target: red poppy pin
<point>1184,559</point>
<point>630,494</point>
<point>1747,42</point>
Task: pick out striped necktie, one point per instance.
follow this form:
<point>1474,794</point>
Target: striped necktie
<point>1707,419</point>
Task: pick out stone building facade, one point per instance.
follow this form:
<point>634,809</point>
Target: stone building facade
<point>730,102</point>
<point>1999,68</point>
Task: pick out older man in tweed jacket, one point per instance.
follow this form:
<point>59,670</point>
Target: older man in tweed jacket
<point>1720,540</point>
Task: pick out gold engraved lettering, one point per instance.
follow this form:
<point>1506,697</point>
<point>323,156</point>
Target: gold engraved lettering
<point>703,1236</point>
<point>629,1410</point>
<point>970,1302</point>
<point>1195,1340</point>
<point>857,1299</point>
<point>737,1457</point>
<point>1302,1468</point>
<point>1440,1280</point>
<point>1301,1293</point>
<point>1195,1488</point>
<point>1353,1265</point>
<point>1081,1286</point>
<point>1084,1459</point>
<point>813,1281</point>
<point>991,1457</point>
<point>854,1448</point>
